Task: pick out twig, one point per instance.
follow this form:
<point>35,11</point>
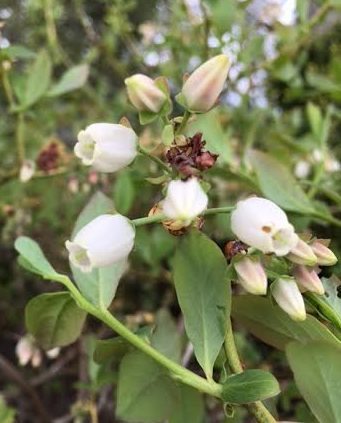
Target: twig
<point>12,373</point>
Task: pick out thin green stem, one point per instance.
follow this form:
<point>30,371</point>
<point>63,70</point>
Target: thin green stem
<point>257,409</point>
<point>149,219</point>
<point>218,210</point>
<point>183,123</point>
<point>160,163</point>
<point>161,217</point>
<point>20,138</point>
<point>176,370</point>
<point>8,89</point>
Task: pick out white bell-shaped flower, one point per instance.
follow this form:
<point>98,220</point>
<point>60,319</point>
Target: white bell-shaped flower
<point>251,275</point>
<point>105,240</point>
<point>107,147</point>
<point>288,297</point>
<point>144,94</point>
<point>261,224</point>
<point>201,90</point>
<point>184,201</point>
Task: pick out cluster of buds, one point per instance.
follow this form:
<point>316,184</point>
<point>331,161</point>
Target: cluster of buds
<point>263,226</point>
<point>27,351</point>
<point>190,158</point>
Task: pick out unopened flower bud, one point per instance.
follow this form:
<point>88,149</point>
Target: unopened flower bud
<point>105,240</point>
<point>307,279</point>
<point>325,256</point>
<point>27,351</point>
<point>203,87</point>
<point>288,297</point>
<point>36,358</point>
<point>302,253</point>
<point>24,350</point>
<point>107,147</point>
<point>53,353</point>
<point>261,224</point>
<point>27,170</point>
<point>144,94</point>
<point>184,201</point>
<point>251,275</point>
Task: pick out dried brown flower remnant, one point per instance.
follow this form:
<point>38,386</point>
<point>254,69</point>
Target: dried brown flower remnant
<point>48,158</point>
<point>232,248</point>
<point>190,157</point>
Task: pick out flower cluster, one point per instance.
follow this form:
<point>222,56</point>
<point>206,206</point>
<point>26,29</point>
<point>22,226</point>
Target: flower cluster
<point>264,227</point>
<point>27,351</point>
<point>107,147</point>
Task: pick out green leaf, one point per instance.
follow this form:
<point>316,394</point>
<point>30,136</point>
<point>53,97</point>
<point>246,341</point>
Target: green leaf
<point>100,285</point>
<point>217,140</point>
<point>33,259</point>
<point>38,79</point>
<point>54,319</point>
<point>317,373</point>
<point>166,337</point>
<point>190,407</point>
<point>332,297</point>
<point>71,80</point>
<point>273,326</point>
<point>111,349</point>
<point>277,183</point>
<point>7,414</point>
<point>203,291</point>
<point>145,393</point>
<point>124,192</point>
<point>250,386</point>
<point>315,120</point>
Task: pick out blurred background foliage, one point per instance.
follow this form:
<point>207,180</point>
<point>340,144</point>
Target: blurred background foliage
<point>63,65</point>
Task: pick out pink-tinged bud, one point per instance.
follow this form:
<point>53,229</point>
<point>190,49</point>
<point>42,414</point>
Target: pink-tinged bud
<point>302,253</point>
<point>251,276</point>
<point>308,280</point>
<point>325,256</point>
<point>144,94</point>
<point>201,90</point>
<point>288,297</point>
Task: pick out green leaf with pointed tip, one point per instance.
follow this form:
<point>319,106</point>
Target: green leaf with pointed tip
<point>54,319</point>
<point>277,183</point>
<point>73,79</point>
<point>33,259</point>
<point>100,285</point>
<point>203,291</point>
<point>145,392</point>
<point>273,326</point>
<point>38,79</point>
<point>249,386</point>
<point>317,373</point>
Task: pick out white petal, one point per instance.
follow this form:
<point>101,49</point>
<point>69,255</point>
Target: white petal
<point>260,223</point>
<point>106,240</point>
<point>185,200</point>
